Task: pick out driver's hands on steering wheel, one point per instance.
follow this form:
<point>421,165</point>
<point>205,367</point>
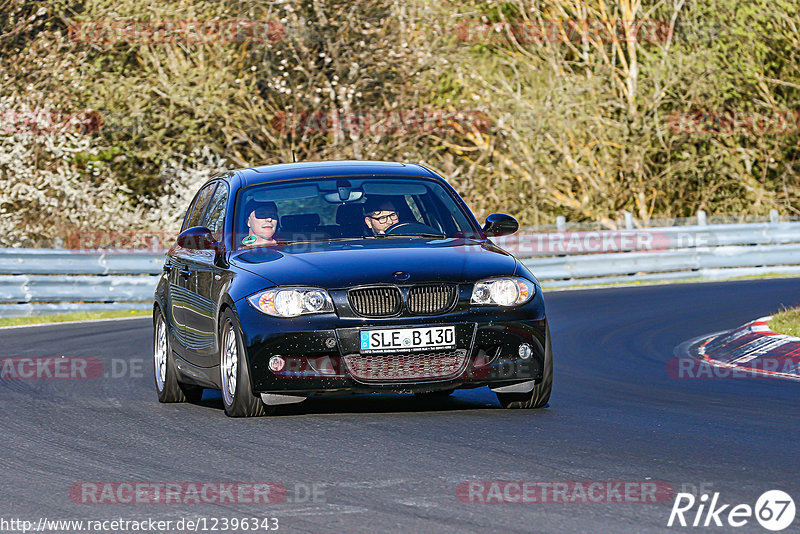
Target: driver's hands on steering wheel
<point>412,228</point>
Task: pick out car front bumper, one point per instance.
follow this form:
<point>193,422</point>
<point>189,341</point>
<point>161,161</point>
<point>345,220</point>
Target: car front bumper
<point>321,352</point>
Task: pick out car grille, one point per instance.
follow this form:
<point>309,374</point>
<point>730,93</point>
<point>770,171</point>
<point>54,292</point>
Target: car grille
<point>429,299</point>
<point>387,367</point>
<point>424,299</point>
<point>375,301</point>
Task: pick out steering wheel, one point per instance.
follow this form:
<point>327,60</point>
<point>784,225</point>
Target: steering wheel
<point>411,228</point>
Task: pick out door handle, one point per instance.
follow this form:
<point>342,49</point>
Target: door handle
<point>186,273</point>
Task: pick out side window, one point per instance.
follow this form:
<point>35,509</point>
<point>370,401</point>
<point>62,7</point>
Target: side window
<point>199,206</point>
<point>215,216</point>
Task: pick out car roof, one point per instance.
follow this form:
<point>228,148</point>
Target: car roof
<point>316,169</point>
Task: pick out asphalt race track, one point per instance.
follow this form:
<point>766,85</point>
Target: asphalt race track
<point>394,463</point>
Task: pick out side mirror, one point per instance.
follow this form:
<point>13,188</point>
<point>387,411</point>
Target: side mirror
<point>500,224</point>
<point>197,238</point>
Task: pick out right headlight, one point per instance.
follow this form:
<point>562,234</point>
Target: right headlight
<point>291,301</point>
<point>502,291</point>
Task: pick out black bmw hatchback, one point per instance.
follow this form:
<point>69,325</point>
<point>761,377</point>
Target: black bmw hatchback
<point>327,278</point>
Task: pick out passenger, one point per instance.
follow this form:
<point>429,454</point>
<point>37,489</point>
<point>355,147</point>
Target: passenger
<point>262,222</point>
<point>380,215</point>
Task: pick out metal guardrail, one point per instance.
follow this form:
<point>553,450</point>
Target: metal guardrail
<point>63,261</point>
<point>36,281</point>
<point>28,309</point>
<point>697,252</point>
<point>650,239</point>
<point>46,281</point>
<point>40,288</point>
<point>631,263</point>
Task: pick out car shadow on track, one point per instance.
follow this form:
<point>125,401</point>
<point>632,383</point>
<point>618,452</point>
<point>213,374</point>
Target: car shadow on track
<point>367,404</point>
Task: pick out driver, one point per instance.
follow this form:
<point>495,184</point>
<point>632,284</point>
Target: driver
<point>380,215</point>
<point>262,221</point>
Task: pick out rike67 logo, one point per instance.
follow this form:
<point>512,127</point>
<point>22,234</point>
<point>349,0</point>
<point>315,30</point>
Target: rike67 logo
<point>774,510</point>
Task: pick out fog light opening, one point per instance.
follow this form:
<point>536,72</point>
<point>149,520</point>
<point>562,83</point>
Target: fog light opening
<point>276,364</point>
<point>525,351</point>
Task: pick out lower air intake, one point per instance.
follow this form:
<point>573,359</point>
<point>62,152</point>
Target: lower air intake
<point>387,367</point>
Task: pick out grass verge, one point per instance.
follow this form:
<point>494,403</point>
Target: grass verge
<point>787,321</point>
<point>77,316</point>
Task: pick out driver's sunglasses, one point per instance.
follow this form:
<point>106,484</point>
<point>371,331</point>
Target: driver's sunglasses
<point>266,214</point>
<point>383,219</point>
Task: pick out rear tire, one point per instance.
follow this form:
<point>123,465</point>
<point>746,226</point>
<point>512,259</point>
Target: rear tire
<point>540,394</point>
<point>165,373</point>
<point>237,395</point>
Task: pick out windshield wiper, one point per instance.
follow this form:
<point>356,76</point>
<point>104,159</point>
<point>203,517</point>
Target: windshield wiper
<point>354,238</point>
<point>384,236</point>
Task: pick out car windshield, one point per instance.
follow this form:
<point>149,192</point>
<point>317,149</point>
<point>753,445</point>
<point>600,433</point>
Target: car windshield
<point>353,208</point>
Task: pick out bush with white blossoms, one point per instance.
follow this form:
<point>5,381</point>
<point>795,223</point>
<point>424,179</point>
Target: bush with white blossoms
<point>182,176</point>
<point>44,196</point>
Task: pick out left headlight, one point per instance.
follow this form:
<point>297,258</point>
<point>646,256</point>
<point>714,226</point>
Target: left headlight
<point>505,291</point>
<point>291,301</point>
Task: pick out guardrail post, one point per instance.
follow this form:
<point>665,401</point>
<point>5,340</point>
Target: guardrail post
<point>628,220</point>
<point>773,217</point>
<point>701,218</point>
<point>561,223</point>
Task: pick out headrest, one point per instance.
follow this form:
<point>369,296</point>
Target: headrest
<point>349,213</point>
<point>300,221</point>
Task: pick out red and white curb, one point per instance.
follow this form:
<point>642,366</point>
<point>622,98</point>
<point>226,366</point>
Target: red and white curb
<point>754,348</point>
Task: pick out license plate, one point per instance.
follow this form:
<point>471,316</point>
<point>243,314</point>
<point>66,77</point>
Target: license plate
<point>408,339</point>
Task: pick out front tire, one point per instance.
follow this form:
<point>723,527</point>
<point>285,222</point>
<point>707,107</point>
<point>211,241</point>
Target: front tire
<point>540,394</point>
<point>166,376</point>
<point>237,396</point>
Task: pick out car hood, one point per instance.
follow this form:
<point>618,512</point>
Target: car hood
<point>340,264</point>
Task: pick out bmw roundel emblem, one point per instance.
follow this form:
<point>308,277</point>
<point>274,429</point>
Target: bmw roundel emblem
<point>401,276</point>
